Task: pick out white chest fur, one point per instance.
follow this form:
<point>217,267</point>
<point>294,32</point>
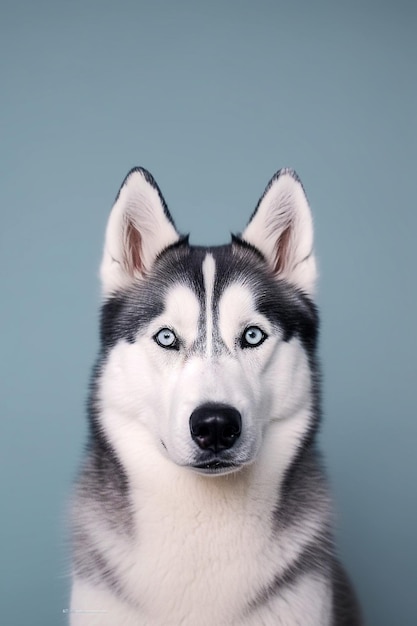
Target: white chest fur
<point>202,560</point>
<point>201,548</point>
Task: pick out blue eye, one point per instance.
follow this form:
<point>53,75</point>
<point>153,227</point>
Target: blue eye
<point>252,337</point>
<point>166,338</point>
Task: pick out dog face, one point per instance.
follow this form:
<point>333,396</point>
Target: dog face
<point>207,351</point>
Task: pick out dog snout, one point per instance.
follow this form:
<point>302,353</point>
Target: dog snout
<point>215,427</point>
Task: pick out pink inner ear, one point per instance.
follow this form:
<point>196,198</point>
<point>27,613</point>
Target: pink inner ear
<point>132,249</point>
<point>283,251</point>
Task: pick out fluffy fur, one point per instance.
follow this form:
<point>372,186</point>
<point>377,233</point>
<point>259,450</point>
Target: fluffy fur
<point>201,499</point>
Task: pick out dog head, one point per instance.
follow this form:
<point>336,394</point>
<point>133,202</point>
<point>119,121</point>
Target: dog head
<point>207,350</point>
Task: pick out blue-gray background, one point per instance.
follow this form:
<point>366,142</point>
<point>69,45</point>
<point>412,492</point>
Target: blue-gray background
<point>212,97</point>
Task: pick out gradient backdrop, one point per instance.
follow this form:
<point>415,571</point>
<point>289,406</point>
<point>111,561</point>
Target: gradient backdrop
<point>211,97</point>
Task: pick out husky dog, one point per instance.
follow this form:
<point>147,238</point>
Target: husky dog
<point>201,500</point>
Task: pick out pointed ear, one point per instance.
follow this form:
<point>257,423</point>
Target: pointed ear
<point>281,228</point>
<point>139,228</point>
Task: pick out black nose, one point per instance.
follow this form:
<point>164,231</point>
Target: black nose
<point>215,427</point>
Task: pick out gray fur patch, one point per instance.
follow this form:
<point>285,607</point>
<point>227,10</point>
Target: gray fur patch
<point>314,560</point>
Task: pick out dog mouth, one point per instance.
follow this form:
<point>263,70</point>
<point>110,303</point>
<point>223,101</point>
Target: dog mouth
<point>216,466</point>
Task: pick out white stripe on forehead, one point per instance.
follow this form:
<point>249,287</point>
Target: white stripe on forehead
<point>209,272</point>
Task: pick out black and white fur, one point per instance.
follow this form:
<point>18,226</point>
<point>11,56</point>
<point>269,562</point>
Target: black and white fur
<point>201,500</point>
